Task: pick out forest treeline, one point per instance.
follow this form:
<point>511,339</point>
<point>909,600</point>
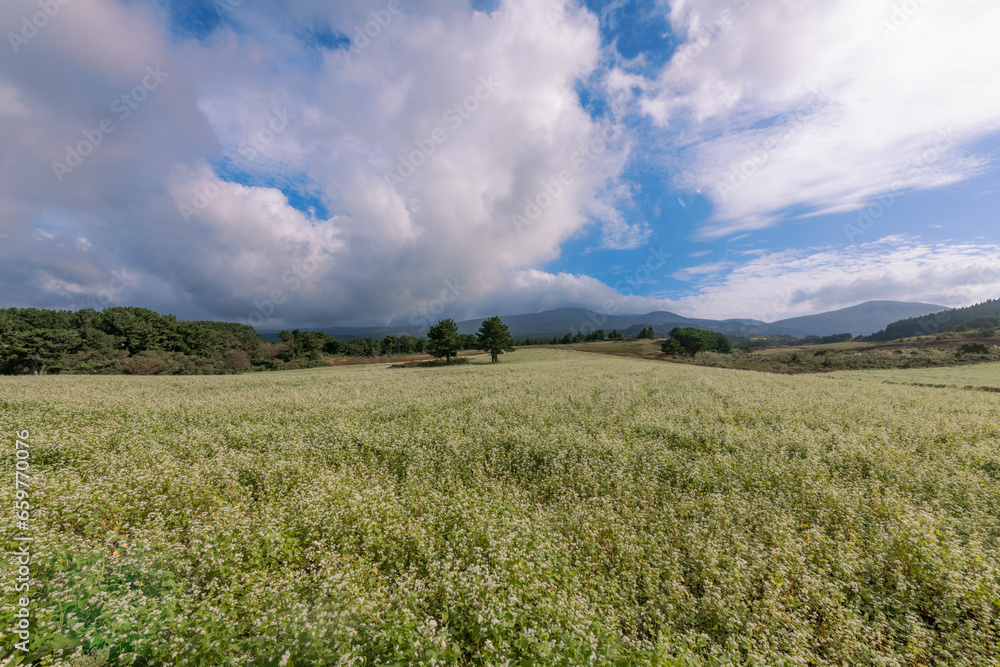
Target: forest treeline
<point>140,341</point>
<point>133,340</point>
<point>985,315</point>
<point>122,340</point>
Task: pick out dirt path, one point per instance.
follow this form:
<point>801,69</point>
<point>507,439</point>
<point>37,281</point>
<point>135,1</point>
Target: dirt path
<point>354,361</point>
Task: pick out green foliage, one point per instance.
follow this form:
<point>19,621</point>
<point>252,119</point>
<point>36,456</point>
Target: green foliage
<point>672,346</point>
<point>442,339</point>
<point>402,345</point>
<point>494,337</point>
<point>98,658</point>
<point>850,358</point>
<point>138,341</point>
<point>689,342</point>
<point>615,335</point>
<point>973,348</point>
<point>118,340</point>
<point>986,314</point>
<point>823,340</point>
<point>578,337</point>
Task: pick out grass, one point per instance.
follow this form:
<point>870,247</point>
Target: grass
<point>788,349</point>
<point>979,376</point>
<point>922,352</point>
<point>827,360</point>
<point>824,358</point>
<point>636,349</point>
<point>556,508</point>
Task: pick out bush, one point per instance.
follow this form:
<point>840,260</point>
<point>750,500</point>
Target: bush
<point>236,361</point>
<point>672,347</point>
<point>973,348</point>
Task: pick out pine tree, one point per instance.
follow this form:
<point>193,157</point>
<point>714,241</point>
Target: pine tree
<point>494,337</point>
<point>442,339</point>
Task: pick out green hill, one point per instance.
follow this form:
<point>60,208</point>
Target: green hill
<point>985,314</point>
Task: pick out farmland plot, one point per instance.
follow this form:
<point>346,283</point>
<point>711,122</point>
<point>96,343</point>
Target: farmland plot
<point>979,376</point>
<point>556,508</point>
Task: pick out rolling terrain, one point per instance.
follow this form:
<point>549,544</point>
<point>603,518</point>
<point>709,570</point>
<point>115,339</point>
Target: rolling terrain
<point>555,508</point>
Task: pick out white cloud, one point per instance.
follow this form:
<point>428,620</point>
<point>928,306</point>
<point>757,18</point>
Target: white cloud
<point>486,104</point>
<point>814,107</point>
<point>692,272</point>
<point>778,285</point>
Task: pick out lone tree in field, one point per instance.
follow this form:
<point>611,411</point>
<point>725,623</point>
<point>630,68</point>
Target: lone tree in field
<point>494,337</point>
<point>442,339</point>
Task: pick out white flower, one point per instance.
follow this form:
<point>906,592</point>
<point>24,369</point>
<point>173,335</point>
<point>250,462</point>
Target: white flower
<point>284,659</point>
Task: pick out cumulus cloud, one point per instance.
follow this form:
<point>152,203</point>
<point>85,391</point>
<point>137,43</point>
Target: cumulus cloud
<point>802,108</point>
<point>448,145</point>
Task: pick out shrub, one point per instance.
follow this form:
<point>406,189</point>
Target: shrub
<point>236,361</point>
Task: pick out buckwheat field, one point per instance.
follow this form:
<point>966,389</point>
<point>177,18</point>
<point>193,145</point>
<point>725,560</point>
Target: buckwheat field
<point>556,508</point>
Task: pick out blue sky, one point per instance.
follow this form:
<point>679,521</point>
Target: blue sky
<point>307,163</point>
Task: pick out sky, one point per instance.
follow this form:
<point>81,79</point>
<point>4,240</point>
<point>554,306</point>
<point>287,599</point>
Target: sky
<point>310,163</point>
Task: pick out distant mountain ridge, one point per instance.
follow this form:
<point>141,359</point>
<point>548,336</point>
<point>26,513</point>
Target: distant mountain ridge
<point>985,314</point>
<point>861,320</point>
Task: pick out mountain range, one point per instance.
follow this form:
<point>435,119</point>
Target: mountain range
<point>861,320</point>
